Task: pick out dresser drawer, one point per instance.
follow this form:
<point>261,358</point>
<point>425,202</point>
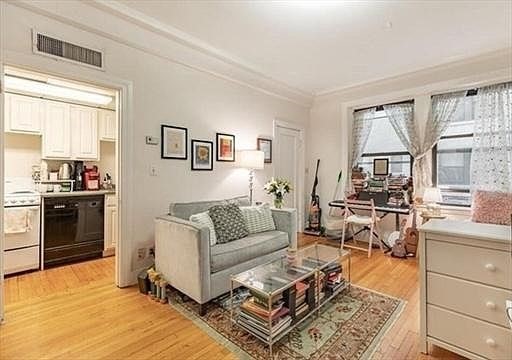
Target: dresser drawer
<point>473,299</point>
<point>476,336</point>
<point>487,266</point>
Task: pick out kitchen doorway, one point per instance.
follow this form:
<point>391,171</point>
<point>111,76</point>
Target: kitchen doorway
<point>61,166</point>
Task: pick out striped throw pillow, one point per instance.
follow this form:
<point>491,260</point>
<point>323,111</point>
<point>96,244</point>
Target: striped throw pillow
<point>258,218</point>
<point>204,220</point>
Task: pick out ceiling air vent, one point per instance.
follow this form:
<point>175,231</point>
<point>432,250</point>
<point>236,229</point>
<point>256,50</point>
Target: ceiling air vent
<point>56,48</point>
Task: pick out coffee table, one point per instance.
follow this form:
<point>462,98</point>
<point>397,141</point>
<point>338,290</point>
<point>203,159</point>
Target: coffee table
<point>277,284</point>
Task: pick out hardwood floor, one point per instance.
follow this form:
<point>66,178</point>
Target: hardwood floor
<point>75,312</point>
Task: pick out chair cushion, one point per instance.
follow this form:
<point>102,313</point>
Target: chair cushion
<point>229,222</point>
<point>186,210</point>
<point>204,220</point>
<point>258,218</point>
<point>224,256</point>
<point>359,219</point>
<point>491,207</point>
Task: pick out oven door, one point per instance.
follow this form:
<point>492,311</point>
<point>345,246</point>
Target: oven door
<point>23,239</point>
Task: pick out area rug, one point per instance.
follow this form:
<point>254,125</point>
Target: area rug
<point>349,327</point>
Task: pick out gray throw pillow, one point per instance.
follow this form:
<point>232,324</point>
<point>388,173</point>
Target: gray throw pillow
<point>229,222</point>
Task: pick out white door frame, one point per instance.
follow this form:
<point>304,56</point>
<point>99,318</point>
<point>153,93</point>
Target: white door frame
<point>124,276</point>
<point>2,32</point>
<point>299,188</point>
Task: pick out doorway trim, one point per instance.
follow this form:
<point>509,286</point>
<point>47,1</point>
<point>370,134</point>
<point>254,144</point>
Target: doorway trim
<point>279,123</point>
<point>124,276</point>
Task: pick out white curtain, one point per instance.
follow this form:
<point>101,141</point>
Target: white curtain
<point>361,128</point>
<point>491,158</point>
<point>401,117</point>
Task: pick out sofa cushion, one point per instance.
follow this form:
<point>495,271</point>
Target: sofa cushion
<point>204,220</point>
<point>186,210</point>
<point>229,222</point>
<point>258,218</point>
<point>224,256</point>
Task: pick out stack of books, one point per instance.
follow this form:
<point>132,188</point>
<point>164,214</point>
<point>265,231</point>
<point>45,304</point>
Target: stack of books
<point>334,276</point>
<point>256,317</point>
<point>320,294</point>
<point>301,305</point>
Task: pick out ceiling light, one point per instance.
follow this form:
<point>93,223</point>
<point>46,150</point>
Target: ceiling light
<point>43,88</point>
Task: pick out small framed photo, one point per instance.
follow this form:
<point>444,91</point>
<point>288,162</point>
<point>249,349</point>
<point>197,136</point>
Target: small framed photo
<point>225,147</point>
<point>174,142</point>
<point>265,145</point>
<point>202,155</point>
<point>380,167</point>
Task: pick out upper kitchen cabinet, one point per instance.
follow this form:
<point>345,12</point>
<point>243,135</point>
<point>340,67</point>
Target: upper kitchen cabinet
<point>56,137</point>
<point>108,125</point>
<point>24,114</point>
<point>84,132</point>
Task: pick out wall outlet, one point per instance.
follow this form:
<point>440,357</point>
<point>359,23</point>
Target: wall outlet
<point>141,253</point>
<point>151,140</point>
<point>153,170</point>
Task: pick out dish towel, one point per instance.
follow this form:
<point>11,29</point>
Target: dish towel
<point>16,221</point>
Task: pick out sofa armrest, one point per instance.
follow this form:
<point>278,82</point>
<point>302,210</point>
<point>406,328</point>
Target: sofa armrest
<point>182,255</point>
<point>286,220</point>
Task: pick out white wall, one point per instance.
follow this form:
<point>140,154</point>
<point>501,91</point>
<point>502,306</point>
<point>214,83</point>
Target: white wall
<point>331,115</point>
<point>164,92</point>
<point>21,152</point>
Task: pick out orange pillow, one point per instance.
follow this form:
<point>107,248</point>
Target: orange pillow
<point>491,207</point>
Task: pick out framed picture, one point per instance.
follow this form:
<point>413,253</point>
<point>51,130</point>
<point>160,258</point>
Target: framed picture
<point>202,155</point>
<point>225,147</point>
<point>174,142</point>
<point>380,167</point>
<point>265,145</point>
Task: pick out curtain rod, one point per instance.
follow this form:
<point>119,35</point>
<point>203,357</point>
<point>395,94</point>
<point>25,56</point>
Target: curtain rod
<point>381,107</point>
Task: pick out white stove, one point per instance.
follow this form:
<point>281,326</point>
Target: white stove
<point>22,198</point>
<point>21,225</point>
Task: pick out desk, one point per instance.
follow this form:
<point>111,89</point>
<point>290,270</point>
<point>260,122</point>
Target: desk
<point>383,210</point>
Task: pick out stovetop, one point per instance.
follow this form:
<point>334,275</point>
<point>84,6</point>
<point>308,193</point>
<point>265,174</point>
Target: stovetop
<point>20,192</point>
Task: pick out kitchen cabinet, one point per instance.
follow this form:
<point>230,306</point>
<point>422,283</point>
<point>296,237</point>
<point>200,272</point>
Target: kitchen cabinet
<point>84,133</point>
<point>24,114</point>
<point>111,219</point>
<point>56,139</point>
<point>108,125</point>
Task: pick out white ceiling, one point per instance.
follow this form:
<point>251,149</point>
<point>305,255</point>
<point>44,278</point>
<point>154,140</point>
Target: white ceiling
<point>318,46</point>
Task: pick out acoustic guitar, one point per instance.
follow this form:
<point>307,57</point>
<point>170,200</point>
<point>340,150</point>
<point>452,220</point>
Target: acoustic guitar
<point>412,236</point>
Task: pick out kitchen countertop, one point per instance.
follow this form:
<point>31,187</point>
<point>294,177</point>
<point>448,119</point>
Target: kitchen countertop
<point>78,193</point>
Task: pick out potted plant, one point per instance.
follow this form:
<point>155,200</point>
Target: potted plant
<point>278,188</point>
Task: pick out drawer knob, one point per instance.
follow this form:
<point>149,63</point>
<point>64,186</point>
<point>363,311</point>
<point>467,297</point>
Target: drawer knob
<point>490,267</point>
<point>490,305</point>
<point>490,342</point>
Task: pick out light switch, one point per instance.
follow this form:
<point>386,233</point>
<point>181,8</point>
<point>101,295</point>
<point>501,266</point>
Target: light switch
<point>151,140</point>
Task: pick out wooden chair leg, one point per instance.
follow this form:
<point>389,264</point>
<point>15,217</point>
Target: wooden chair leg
<point>353,233</point>
<point>379,234</point>
<point>370,241</point>
<point>343,235</point>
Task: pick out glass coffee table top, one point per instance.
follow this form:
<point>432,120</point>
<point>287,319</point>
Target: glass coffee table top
<point>273,277</point>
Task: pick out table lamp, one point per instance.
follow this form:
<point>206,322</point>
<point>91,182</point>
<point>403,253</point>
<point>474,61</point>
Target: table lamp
<point>431,197</point>
<point>252,160</point>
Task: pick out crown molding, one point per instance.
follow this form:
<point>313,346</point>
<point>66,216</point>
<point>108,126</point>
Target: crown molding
<point>502,56</point>
<point>117,22</point>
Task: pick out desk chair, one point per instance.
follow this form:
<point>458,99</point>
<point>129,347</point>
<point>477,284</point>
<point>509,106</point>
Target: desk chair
<point>371,222</point>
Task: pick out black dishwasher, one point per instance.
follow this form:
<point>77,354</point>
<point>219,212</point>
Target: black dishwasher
<point>73,229</point>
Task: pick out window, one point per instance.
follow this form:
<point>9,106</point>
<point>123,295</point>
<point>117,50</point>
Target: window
<point>451,157</point>
<point>383,143</point>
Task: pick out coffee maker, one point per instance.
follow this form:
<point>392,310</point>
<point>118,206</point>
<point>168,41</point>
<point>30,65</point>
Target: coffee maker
<point>78,176</point>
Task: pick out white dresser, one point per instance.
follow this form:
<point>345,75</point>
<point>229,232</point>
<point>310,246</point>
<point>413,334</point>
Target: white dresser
<point>465,278</point>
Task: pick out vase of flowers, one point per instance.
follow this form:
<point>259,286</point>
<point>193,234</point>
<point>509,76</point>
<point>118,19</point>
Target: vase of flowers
<point>278,188</point>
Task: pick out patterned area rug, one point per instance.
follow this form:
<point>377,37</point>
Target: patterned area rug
<point>350,327</point>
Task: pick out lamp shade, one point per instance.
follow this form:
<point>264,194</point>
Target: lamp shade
<point>432,195</point>
<point>252,159</point>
